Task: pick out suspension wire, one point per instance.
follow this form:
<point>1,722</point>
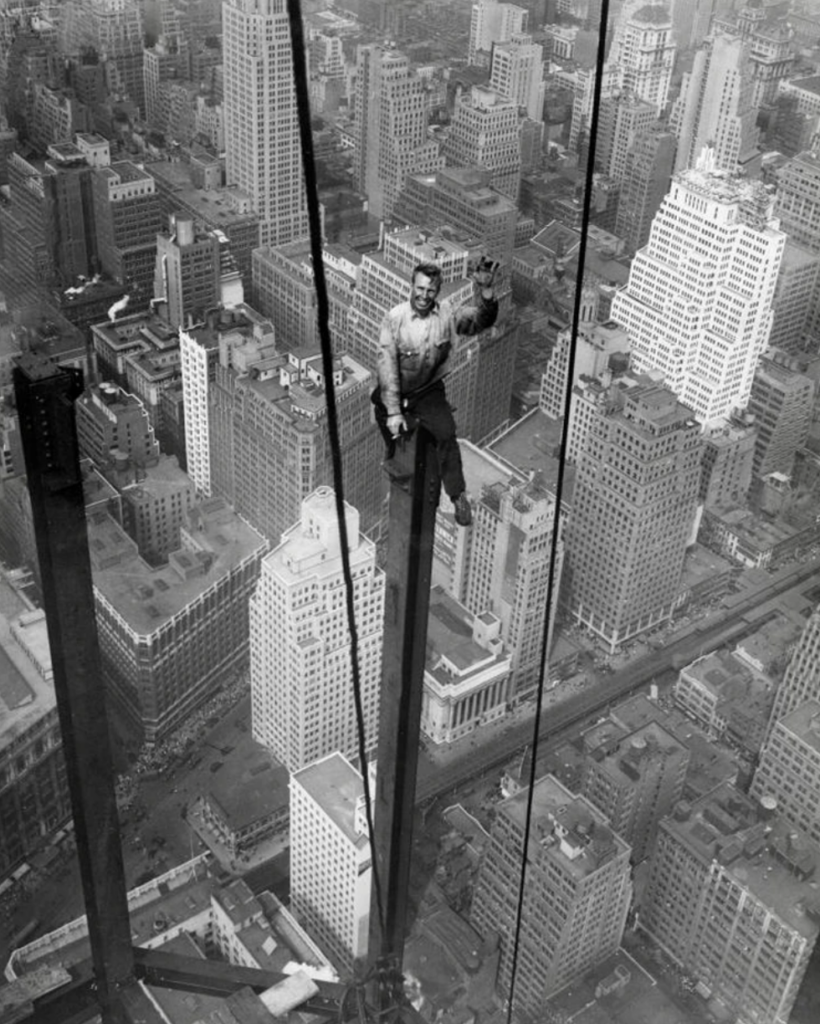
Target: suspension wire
<point>300,76</point>
<point>559,490</point>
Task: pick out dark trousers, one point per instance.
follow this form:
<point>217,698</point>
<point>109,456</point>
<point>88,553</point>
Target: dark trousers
<point>429,408</point>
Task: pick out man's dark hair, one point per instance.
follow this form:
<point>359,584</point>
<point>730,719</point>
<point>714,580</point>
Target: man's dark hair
<point>431,270</point>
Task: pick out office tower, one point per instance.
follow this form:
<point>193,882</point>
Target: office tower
<point>595,345</point>
<point>621,119</point>
<point>48,224</point>
<point>802,679</point>
<point>646,178</point>
<point>467,670</point>
<point>194,272</point>
<point>34,799</point>
<point>115,433</point>
<point>301,682</point>
<point>262,148</point>
<point>715,109</point>
<point>698,302</point>
<point>726,463</point>
<point>582,98</point>
<point>284,290</point>
<point>796,299</point>
<point>171,636</point>
<point>632,514</point>
<point>781,402</point>
<point>269,434</point>
<point>634,778</point>
<point>390,120</point>
<point>113,28</point>
<point>797,204</point>
<point>788,772</point>
<point>484,131</point>
<point>165,64</point>
<point>576,898</point>
<point>690,21</point>
<point>517,73</point>
<point>772,51</point>
<point>644,51</point>
<point>727,899</point>
<point>330,858</point>
<point>492,22</point>
<point>127,218</point>
<point>504,566</point>
<point>199,356</point>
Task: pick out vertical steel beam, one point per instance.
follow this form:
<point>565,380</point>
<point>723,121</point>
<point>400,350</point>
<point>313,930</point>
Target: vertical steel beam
<point>414,496</point>
<point>45,394</point>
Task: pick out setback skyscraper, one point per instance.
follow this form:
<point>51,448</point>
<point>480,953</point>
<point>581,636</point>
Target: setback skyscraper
<point>301,682</point>
<point>698,304</point>
<point>262,149</point>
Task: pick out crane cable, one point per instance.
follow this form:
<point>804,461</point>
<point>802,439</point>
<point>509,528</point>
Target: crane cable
<point>300,76</point>
<point>600,59</point>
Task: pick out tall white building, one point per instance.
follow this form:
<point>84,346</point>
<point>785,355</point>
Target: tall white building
<point>492,22</point>
<point>262,147</point>
<point>715,108</point>
<point>517,72</point>
<point>698,304</point>
<point>330,860</point>
<point>802,679</point>
<point>301,681</point>
<point>390,115</point>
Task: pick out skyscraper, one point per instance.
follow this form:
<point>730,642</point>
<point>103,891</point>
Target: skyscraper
<point>577,894</point>
<point>390,115</point>
<point>644,51</point>
<point>789,768</point>
<point>727,899</point>
<point>484,131</point>
<point>715,108</point>
<point>301,683</point>
<point>802,679</point>
<point>517,72</point>
<point>268,429</point>
<point>798,200</point>
<point>504,566</point>
<point>781,402</point>
<point>698,302</point>
<point>632,514</point>
<point>646,177</point>
<point>262,147</point>
<point>330,858</point>
<point>493,22</point>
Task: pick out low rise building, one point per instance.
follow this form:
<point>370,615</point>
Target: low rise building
<point>467,675</point>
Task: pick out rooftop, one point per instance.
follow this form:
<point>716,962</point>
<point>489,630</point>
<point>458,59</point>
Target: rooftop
<point>804,723</point>
<point>450,640</point>
<point>568,828</point>
<point>250,786</point>
<point>25,695</point>
<point>769,858</point>
<point>533,445</point>
<point>147,598</point>
<point>335,785</point>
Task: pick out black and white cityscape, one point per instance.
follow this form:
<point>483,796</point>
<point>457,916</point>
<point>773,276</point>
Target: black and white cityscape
<point>617,799</point>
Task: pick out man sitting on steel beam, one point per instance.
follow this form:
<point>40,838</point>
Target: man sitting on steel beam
<point>415,342</point>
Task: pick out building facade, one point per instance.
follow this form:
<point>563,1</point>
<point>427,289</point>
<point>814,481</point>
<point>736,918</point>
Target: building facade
<point>632,514</point>
<point>330,874</point>
<point>698,304</point>
<point>577,894</point>
<point>301,684</point>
